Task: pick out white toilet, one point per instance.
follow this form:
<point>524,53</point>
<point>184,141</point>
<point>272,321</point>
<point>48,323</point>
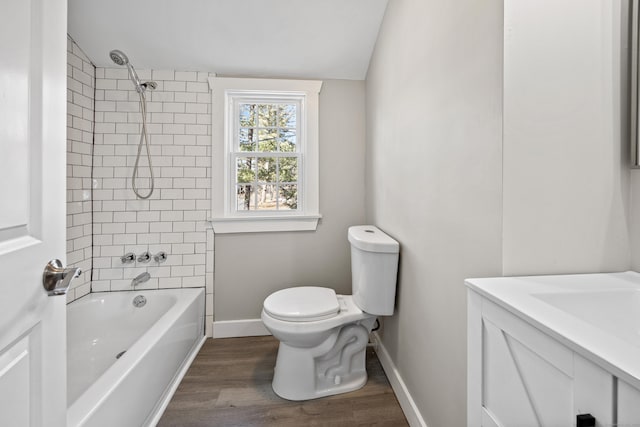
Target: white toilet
<point>323,336</point>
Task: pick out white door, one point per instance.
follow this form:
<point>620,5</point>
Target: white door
<point>32,211</point>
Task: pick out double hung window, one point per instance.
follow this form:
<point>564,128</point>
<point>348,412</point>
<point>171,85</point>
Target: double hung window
<point>265,155</point>
<point>265,148</point>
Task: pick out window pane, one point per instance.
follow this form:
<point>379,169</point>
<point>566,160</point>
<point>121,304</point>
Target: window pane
<point>245,197</point>
<point>287,115</point>
<point>267,139</point>
<point>267,115</point>
<point>288,169</point>
<point>287,140</point>
<point>288,197</point>
<point>266,154</point>
<point>267,194</point>
<point>245,169</point>
<point>267,169</point>
<point>248,115</point>
<point>246,139</point>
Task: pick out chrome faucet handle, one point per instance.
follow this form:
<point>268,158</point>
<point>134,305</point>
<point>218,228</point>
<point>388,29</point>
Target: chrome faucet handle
<point>144,257</point>
<point>128,258</point>
<point>160,257</point>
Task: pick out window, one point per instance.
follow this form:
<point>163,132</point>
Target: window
<point>265,155</point>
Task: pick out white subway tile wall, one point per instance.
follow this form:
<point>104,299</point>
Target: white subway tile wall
<point>80,109</point>
<point>174,218</point>
<point>104,218</point>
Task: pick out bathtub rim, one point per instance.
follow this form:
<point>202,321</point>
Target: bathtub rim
<point>98,392</point>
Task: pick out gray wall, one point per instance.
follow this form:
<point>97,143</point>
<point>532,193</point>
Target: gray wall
<point>434,182</point>
<point>436,158</point>
<point>248,267</point>
<point>566,180</point>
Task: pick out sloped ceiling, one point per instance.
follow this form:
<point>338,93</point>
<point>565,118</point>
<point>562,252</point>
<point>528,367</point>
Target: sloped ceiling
<point>330,39</point>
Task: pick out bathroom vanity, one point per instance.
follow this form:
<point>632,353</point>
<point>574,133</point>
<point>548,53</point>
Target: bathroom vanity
<point>543,350</point>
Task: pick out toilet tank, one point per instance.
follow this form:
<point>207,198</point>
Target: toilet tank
<point>374,269</point>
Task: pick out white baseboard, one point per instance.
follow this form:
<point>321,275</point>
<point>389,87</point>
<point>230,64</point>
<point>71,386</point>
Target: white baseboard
<point>409,407</point>
<point>239,328</point>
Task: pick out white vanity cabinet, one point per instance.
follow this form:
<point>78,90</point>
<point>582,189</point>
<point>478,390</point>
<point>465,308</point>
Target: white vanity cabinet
<point>520,376</point>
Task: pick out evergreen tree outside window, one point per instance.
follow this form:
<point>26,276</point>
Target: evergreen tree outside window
<point>266,154</point>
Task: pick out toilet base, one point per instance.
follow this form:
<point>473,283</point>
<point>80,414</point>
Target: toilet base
<point>324,388</point>
<point>336,366</point>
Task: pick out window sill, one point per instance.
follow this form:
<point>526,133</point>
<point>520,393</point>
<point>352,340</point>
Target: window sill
<point>266,224</point>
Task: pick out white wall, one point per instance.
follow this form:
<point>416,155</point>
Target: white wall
<point>174,218</point>
<point>80,108</point>
<point>566,179</point>
<point>248,267</point>
<point>634,214</point>
<point>434,172</point>
<point>634,219</point>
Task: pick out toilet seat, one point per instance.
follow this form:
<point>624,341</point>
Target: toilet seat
<point>302,304</point>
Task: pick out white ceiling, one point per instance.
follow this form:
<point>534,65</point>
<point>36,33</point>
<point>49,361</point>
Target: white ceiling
<point>330,39</point>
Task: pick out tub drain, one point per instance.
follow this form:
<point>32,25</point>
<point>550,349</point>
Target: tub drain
<point>119,355</point>
<point>139,301</point>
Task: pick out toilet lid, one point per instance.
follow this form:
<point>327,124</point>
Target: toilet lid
<point>302,304</point>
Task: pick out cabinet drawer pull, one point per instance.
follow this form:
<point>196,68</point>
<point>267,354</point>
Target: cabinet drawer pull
<point>585,420</point>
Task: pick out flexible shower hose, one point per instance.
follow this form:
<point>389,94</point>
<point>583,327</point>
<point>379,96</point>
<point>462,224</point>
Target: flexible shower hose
<point>144,139</point>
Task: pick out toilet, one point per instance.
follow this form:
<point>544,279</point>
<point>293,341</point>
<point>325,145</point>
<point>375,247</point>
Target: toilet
<point>323,336</point>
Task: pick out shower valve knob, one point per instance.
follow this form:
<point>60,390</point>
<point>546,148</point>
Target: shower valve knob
<point>160,257</point>
<point>144,257</point>
<point>128,258</point>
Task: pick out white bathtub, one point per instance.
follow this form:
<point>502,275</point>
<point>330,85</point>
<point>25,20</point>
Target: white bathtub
<point>160,338</point>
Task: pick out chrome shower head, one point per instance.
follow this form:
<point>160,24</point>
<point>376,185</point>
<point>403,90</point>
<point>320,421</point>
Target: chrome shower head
<point>119,57</point>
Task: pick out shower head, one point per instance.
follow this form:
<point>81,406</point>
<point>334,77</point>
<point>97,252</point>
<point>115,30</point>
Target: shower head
<point>119,57</point>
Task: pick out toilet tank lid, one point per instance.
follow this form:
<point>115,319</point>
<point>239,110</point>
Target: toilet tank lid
<point>302,304</point>
<point>371,239</point>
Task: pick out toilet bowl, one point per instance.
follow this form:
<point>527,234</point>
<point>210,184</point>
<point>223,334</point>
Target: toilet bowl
<point>319,358</point>
<point>323,336</point>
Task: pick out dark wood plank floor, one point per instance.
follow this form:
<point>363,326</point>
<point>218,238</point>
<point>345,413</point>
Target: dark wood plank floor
<point>229,384</point>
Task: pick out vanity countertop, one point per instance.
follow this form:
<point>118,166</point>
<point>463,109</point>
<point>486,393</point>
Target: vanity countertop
<point>596,315</point>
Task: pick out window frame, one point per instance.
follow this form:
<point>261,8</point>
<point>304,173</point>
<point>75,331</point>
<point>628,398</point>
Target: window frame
<point>228,93</point>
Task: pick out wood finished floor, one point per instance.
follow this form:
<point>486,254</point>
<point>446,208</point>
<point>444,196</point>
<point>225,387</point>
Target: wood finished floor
<point>229,384</point>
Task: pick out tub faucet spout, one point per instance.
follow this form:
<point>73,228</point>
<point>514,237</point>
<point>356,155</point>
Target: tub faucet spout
<point>140,279</point>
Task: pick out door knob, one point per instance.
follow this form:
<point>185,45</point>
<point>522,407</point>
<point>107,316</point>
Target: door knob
<point>56,279</point>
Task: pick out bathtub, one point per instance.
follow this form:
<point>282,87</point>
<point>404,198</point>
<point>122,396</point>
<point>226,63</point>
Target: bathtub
<point>125,362</point>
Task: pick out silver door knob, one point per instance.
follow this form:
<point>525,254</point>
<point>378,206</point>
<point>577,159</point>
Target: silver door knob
<point>56,279</point>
